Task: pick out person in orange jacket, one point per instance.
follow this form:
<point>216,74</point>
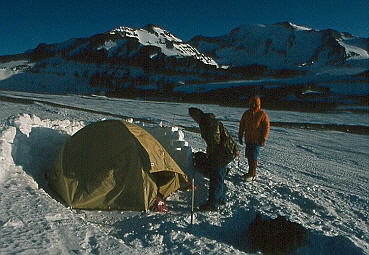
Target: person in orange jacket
<point>254,127</point>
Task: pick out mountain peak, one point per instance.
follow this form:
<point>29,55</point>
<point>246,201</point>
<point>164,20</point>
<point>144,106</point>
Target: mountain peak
<point>293,26</point>
<point>170,45</point>
<point>144,33</point>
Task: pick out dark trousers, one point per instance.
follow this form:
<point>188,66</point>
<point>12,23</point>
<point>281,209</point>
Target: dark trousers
<point>252,151</point>
<point>217,187</point>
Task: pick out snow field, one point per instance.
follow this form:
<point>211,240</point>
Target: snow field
<point>315,178</point>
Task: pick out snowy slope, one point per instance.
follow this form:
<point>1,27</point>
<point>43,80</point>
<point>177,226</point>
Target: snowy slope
<point>318,178</point>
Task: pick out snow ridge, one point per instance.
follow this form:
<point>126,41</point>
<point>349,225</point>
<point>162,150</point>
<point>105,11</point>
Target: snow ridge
<point>169,44</point>
<point>300,28</point>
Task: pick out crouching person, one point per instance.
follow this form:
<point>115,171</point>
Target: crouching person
<point>221,150</point>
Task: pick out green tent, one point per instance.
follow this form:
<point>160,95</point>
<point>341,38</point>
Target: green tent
<point>114,165</point>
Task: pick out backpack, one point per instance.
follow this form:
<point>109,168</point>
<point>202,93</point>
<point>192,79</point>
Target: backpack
<point>218,139</point>
<point>230,147</point>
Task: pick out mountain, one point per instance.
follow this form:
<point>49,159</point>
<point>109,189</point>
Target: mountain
<point>146,58</point>
<point>124,44</point>
<point>284,45</point>
<point>150,62</point>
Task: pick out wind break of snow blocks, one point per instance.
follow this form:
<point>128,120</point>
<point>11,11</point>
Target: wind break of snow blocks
<point>172,139</point>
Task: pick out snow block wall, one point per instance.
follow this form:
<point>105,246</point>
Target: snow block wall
<point>6,141</point>
<point>172,139</point>
<point>32,143</point>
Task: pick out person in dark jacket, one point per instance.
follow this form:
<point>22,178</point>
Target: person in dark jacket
<point>221,150</point>
<point>254,127</point>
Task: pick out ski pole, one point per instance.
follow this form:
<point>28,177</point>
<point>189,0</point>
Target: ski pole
<point>193,198</point>
<point>239,160</point>
<point>174,116</point>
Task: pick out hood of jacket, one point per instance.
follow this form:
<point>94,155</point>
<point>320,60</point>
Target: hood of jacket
<point>196,114</point>
<point>255,103</point>
<point>199,116</point>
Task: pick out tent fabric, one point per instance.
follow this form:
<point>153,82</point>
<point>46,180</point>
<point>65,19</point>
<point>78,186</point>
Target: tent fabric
<point>114,165</point>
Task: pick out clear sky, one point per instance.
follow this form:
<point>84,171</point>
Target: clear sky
<point>26,23</point>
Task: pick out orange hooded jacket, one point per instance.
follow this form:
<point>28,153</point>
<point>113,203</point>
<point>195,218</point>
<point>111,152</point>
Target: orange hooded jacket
<point>254,124</point>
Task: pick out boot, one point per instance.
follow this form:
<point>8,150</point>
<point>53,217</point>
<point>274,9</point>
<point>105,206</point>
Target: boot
<point>251,175</point>
<point>254,166</point>
<point>249,162</point>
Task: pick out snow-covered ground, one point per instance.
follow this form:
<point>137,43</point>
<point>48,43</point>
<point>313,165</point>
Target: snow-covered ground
<point>318,178</point>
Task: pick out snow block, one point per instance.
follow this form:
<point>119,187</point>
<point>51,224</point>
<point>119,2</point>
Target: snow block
<point>172,139</point>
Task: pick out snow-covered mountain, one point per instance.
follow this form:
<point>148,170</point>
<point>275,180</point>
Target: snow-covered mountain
<point>168,44</point>
<point>151,62</point>
<point>147,58</point>
<point>124,45</point>
<point>285,45</point>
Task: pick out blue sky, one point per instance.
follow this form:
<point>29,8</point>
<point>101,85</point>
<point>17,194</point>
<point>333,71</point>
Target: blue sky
<point>26,23</point>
